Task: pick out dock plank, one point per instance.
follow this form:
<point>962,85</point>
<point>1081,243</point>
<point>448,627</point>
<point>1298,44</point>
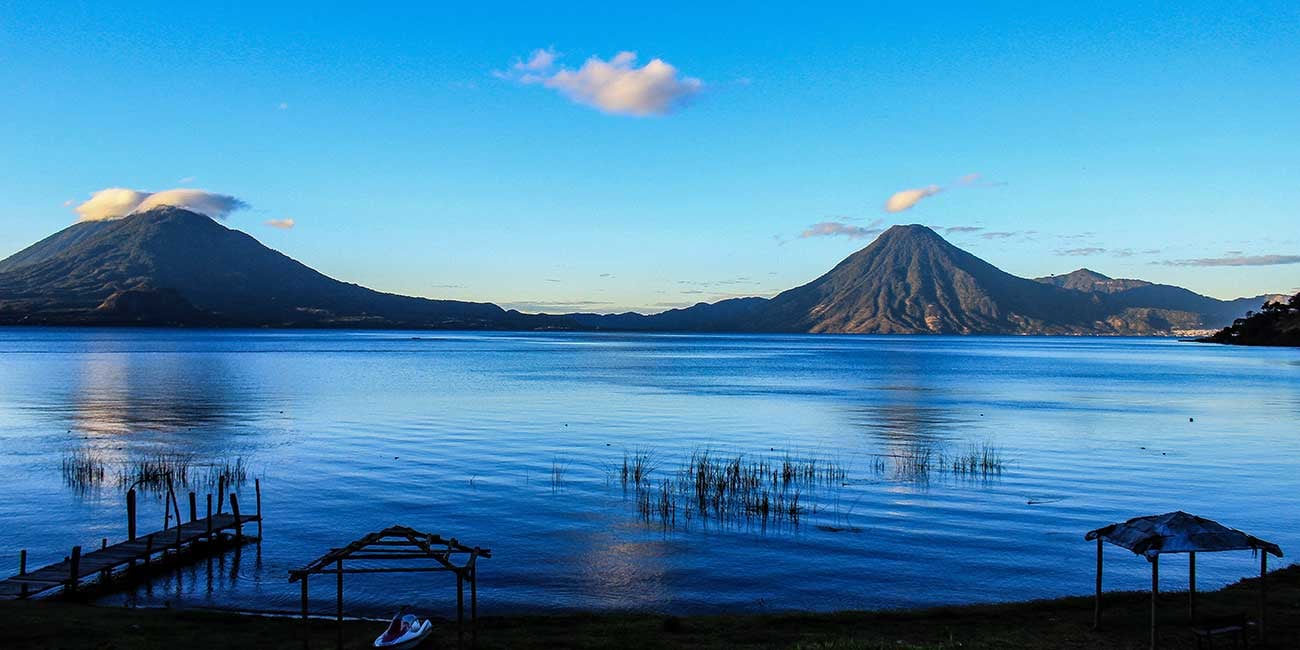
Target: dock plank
<point>112,557</point>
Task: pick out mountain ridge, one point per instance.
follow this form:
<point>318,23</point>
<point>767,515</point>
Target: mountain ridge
<point>173,267</point>
<point>224,274</point>
<point>911,280</point>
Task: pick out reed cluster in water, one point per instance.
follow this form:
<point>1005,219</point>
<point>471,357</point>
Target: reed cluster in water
<point>83,470</point>
<point>755,489</point>
<point>982,459</point>
<point>559,469</point>
<point>637,466</point>
<point>728,489</point>
<point>921,462</point>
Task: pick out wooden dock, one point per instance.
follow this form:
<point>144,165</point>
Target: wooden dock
<point>215,531</point>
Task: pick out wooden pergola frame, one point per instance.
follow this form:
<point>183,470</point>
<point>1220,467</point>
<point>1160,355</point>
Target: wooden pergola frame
<point>1180,532</point>
<point>400,543</point>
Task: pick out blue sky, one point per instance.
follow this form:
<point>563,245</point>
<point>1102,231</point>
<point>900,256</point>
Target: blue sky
<point>414,156</point>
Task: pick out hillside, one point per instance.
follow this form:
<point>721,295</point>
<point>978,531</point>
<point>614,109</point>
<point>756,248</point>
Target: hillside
<point>1276,323</point>
<point>170,266</point>
<point>1087,280</point>
<point>910,280</point>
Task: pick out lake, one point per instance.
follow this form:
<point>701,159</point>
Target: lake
<point>516,442</point>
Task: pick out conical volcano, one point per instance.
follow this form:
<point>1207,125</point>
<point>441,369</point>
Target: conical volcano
<point>911,280</point>
<point>174,266</point>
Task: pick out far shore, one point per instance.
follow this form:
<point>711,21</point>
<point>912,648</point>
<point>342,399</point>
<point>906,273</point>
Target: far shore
<point>1043,624</point>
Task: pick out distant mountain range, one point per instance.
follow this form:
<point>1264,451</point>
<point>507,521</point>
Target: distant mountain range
<point>173,267</point>
<point>910,280</point>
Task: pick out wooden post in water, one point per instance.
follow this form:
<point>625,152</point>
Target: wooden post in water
<point>148,549</point>
<point>1096,605</point>
<point>171,490</point>
<point>74,565</point>
<point>239,524</point>
<point>22,569</point>
<point>194,507</point>
<point>175,506</point>
<point>167,505</point>
<point>1155,592</point>
<point>209,516</point>
<point>1191,586</point>
<point>106,573</point>
<point>1263,589</point>
<point>257,487</point>
<point>130,514</point>
<point>221,492</point>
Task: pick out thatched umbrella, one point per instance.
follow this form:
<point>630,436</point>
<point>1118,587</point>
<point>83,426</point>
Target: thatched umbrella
<point>1179,532</point>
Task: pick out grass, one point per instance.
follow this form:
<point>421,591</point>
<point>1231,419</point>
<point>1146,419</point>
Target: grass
<point>637,467</point>
<point>1031,625</point>
<point>923,462</point>
<point>729,489</point>
<point>559,469</point>
<point>154,473</point>
<point>980,459</point>
<point>744,489</point>
<point>84,470</point>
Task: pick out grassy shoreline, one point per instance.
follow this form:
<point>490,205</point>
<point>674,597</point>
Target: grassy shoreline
<point>1059,623</point>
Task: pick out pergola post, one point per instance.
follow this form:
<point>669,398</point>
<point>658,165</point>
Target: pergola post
<point>339,605</point>
<point>303,576</point>
<point>397,543</point>
<point>339,566</point>
<point>1180,532</point>
<point>1096,606</point>
<point>460,609</point>
<point>1155,593</point>
<point>1263,589</point>
<point>473,603</point>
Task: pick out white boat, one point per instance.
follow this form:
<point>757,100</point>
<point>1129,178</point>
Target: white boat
<point>405,632</point>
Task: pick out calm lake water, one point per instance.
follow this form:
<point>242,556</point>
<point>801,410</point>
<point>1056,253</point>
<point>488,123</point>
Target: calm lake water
<point>516,441</point>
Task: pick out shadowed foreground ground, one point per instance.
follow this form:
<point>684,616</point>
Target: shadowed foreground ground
<point>1062,623</point>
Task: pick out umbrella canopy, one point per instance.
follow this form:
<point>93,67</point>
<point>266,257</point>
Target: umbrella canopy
<point>1179,532</point>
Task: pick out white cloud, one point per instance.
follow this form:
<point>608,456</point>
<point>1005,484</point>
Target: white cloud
<point>615,86</point>
<point>282,224</point>
<point>110,203</point>
<point>555,306</point>
<point>907,198</point>
<point>841,229</point>
<point>540,61</point>
<point>1247,260</point>
<point>118,202</point>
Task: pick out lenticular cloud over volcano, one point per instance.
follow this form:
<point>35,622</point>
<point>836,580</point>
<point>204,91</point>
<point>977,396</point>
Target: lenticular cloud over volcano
<point>118,202</point>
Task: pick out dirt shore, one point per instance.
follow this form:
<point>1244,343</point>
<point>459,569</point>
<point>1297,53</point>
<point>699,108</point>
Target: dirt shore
<point>1060,623</point>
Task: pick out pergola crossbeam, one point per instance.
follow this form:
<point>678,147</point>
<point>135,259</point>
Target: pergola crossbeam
<point>400,543</point>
